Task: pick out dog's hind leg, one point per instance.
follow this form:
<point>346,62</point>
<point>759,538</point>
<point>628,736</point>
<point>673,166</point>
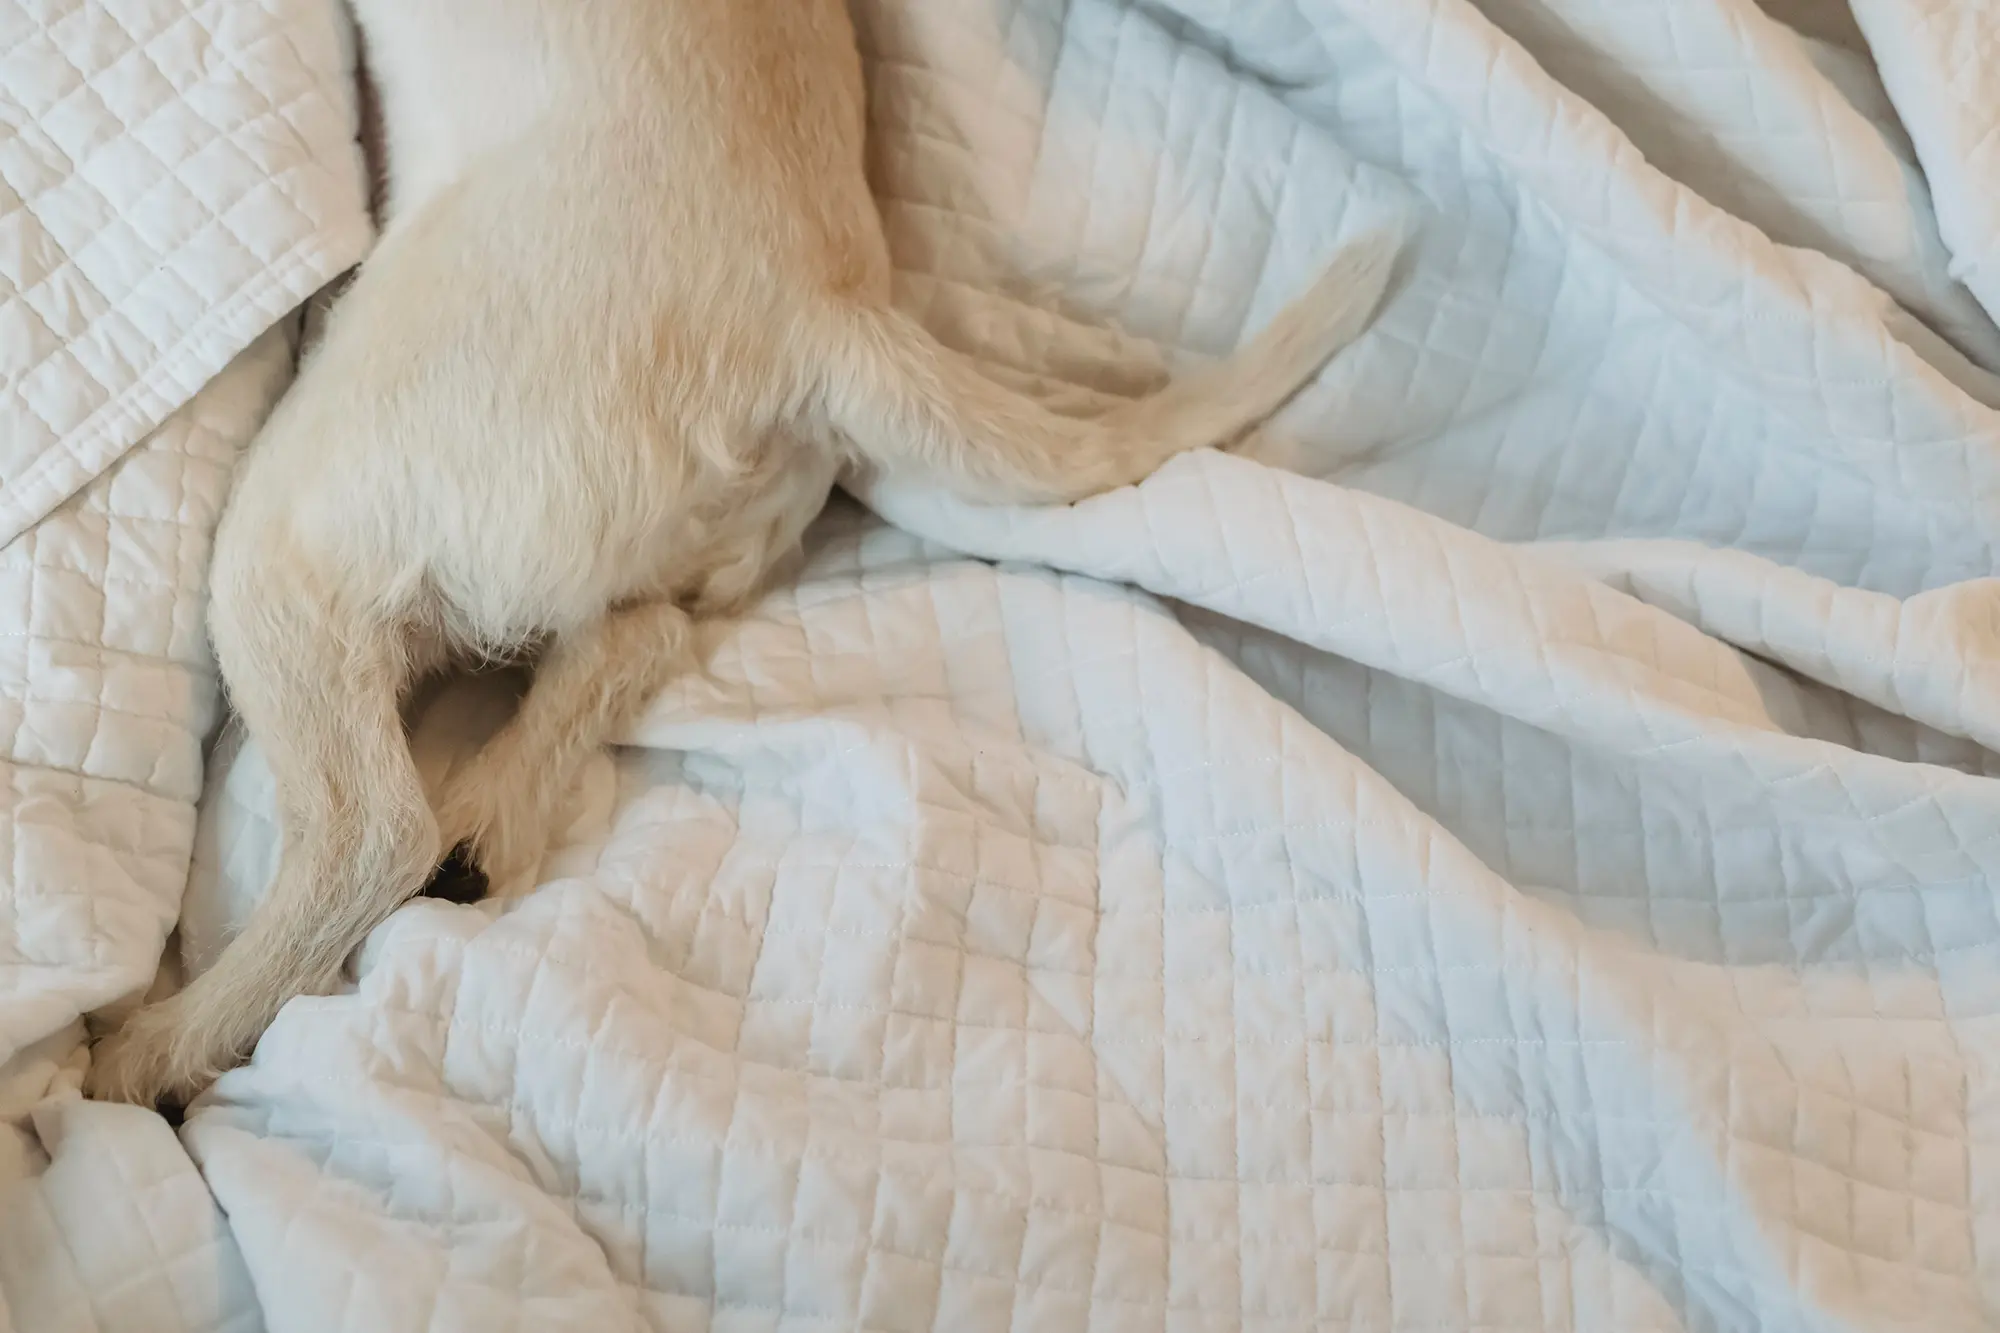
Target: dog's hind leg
<point>495,811</point>
<point>318,690</point>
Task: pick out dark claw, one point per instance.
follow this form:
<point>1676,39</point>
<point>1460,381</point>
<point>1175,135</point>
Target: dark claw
<point>458,878</point>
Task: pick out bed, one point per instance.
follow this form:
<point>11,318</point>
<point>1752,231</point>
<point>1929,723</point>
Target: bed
<point>1526,864</point>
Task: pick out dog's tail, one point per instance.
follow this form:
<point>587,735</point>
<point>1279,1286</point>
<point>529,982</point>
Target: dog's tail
<point>318,686</point>
<point>905,402</point>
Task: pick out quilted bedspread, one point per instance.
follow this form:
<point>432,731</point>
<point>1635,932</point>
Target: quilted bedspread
<point>1531,865</point>
<point>175,178</point>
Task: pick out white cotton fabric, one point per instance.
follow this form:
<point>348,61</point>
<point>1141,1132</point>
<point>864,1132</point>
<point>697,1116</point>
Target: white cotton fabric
<point>175,178</point>
<point>1530,869</point>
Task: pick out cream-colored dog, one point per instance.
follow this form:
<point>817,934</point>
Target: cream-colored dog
<point>628,319</point>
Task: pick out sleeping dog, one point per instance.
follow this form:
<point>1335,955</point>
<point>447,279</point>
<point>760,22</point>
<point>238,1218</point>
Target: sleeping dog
<point>628,320</point>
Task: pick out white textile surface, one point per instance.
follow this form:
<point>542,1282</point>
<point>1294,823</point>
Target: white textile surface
<point>176,176</point>
<point>1538,875</point>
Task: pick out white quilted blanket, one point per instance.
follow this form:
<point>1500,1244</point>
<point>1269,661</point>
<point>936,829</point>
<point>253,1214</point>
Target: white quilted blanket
<point>1543,878</point>
<point>176,176</point>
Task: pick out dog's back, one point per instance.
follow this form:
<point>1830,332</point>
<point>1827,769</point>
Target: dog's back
<point>588,314</point>
<point>740,121</point>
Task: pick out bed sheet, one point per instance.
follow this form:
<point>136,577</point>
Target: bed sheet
<point>1529,866</point>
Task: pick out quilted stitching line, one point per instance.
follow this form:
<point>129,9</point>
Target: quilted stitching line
<point>107,433</point>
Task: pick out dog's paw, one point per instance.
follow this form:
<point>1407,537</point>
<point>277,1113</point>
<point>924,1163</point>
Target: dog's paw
<point>496,839</point>
<point>145,1062</point>
<point>459,878</point>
